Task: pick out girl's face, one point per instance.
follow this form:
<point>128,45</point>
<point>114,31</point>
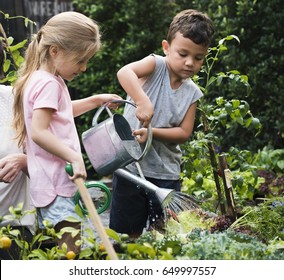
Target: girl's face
<point>67,65</point>
<point>183,57</point>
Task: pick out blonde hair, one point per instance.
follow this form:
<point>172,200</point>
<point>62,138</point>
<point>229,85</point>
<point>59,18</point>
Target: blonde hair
<point>72,32</point>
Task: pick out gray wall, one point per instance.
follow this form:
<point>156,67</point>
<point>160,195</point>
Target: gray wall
<point>36,10</point>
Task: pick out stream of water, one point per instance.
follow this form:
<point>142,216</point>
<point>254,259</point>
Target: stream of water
<point>177,202</point>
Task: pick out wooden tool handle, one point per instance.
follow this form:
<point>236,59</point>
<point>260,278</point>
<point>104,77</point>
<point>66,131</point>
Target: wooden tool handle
<point>94,216</point>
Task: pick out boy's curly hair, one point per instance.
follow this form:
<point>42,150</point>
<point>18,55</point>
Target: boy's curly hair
<point>192,24</point>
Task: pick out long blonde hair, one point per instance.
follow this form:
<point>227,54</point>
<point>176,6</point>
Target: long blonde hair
<point>72,32</point>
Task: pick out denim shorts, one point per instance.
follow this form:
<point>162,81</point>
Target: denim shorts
<point>57,211</point>
<point>132,208</point>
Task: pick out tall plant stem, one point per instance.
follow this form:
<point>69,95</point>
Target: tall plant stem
<point>214,165</point>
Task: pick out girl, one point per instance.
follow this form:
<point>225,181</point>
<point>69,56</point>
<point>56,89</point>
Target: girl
<point>44,114</point>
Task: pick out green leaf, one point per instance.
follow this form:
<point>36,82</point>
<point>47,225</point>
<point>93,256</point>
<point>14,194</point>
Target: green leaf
<point>6,65</point>
<point>211,80</point>
<point>219,80</point>
<point>72,219</point>
<point>18,46</point>
<point>235,72</point>
<point>19,243</point>
<point>132,247</point>
<point>26,22</point>
<point>236,103</point>
<point>248,122</point>
<point>86,253</point>
<point>243,109</point>
<point>165,256</point>
<point>38,254</point>
<point>112,234</point>
<point>255,123</point>
<point>219,101</point>
<point>228,107</point>
<point>280,164</point>
<point>10,41</point>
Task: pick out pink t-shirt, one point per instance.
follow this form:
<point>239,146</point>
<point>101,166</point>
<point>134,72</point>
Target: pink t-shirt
<point>47,172</point>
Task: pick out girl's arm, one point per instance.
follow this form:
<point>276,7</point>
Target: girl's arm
<point>177,135</point>
<point>131,77</point>
<point>84,105</point>
<point>49,142</point>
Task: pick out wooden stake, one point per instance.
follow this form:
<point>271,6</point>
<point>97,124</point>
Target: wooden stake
<point>226,176</point>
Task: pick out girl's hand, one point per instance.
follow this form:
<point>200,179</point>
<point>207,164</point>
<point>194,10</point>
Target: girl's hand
<point>106,97</point>
<point>79,170</point>
<point>141,135</point>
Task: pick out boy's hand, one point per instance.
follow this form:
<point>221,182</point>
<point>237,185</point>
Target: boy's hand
<point>144,113</point>
<point>141,135</point>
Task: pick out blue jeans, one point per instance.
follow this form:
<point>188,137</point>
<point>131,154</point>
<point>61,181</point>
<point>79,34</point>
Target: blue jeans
<point>57,211</point>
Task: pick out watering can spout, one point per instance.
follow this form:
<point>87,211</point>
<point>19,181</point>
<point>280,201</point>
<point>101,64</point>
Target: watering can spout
<point>136,179</point>
<point>163,195</point>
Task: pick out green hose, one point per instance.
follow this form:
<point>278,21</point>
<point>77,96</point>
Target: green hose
<point>103,205</point>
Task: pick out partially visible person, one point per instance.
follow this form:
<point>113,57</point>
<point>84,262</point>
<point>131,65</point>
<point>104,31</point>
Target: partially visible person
<point>162,84</point>
<point>14,182</point>
<point>44,115</point>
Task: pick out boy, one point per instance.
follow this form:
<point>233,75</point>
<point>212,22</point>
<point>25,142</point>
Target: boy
<point>165,96</point>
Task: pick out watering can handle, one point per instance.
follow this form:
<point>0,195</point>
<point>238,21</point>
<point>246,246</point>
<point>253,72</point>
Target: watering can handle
<point>99,111</point>
<point>149,129</point>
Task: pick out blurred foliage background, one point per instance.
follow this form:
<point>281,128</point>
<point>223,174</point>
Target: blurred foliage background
<point>133,29</point>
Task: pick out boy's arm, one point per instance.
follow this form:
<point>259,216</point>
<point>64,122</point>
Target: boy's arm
<point>130,77</point>
<point>179,134</point>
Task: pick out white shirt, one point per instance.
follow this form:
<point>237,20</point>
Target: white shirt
<point>18,191</point>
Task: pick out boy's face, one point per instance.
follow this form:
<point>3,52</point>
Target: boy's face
<point>183,56</point>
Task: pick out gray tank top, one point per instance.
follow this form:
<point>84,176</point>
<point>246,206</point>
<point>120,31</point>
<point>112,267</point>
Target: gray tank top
<point>170,106</point>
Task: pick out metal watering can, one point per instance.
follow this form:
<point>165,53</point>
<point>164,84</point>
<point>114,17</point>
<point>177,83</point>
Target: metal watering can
<point>110,144</point>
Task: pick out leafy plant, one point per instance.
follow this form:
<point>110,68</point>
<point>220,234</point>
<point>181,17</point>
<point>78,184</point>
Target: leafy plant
<point>270,159</point>
<point>13,54</point>
<point>187,221</point>
<point>227,245</point>
<point>216,118</point>
<point>265,221</point>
